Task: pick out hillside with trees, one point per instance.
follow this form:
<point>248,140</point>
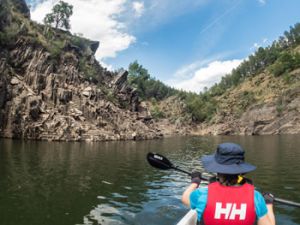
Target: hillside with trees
<point>53,88</point>
<point>268,79</point>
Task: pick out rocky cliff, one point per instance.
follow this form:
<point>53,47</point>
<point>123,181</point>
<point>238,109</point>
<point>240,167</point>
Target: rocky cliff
<point>52,88</point>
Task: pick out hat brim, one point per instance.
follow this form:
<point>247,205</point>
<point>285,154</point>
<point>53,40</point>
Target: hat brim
<point>211,165</point>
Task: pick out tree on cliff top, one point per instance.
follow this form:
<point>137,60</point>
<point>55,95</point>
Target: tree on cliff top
<point>147,87</point>
<point>59,17</point>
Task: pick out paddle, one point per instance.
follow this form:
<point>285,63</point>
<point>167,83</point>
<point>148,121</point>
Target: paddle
<point>161,162</point>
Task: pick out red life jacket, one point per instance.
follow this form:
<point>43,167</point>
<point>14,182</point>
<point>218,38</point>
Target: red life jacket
<point>230,205</point>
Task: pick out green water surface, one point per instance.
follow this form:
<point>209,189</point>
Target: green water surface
<point>53,183</point>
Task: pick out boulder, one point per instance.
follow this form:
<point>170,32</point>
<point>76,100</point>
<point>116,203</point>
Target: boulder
<point>120,80</point>
<point>3,92</point>
<point>87,92</point>
<point>64,96</point>
<point>14,81</point>
<point>34,107</point>
<point>94,45</point>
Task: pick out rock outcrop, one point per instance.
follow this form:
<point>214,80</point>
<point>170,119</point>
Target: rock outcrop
<point>53,88</point>
<point>63,95</point>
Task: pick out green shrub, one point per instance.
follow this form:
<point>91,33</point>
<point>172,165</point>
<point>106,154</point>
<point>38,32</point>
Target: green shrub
<point>157,113</point>
<point>56,48</point>
<point>280,105</point>
<point>89,71</point>
<point>111,97</point>
<point>79,42</point>
<point>288,78</point>
<point>277,69</point>
<point>246,99</point>
<point>285,63</point>
<point>48,33</point>
<point>202,108</point>
<point>9,34</point>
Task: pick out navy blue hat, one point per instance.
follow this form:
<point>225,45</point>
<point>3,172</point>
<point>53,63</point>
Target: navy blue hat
<point>228,159</point>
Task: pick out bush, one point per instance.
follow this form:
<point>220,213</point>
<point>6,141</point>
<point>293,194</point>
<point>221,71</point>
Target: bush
<point>9,35</point>
<point>285,63</point>
<point>111,97</point>
<point>56,48</point>
<point>287,78</point>
<point>246,98</point>
<point>79,42</point>
<point>277,69</point>
<point>280,106</point>
<point>89,71</point>
<point>157,113</point>
<point>202,108</point>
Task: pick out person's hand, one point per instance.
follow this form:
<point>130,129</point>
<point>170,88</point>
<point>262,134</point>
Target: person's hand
<point>196,178</point>
<point>269,198</point>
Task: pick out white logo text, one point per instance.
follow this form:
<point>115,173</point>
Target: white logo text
<point>230,211</point>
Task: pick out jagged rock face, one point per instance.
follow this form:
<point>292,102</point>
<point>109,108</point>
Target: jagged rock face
<point>280,115</point>
<point>22,7</point>
<point>48,98</point>
<point>125,92</point>
<point>5,16</point>
<point>42,101</point>
<point>267,119</point>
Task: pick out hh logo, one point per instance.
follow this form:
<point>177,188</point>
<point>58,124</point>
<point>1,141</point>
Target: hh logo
<point>230,211</point>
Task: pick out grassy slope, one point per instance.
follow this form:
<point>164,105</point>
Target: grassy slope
<point>261,89</point>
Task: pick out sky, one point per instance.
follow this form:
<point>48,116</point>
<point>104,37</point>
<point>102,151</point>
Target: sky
<point>187,44</point>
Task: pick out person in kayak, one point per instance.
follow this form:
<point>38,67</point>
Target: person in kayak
<point>231,199</point>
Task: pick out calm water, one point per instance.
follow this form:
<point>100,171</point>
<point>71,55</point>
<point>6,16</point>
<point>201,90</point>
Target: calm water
<point>111,183</point>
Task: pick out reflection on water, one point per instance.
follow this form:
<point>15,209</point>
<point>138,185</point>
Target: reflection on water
<point>111,182</point>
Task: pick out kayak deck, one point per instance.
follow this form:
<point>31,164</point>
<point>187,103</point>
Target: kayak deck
<point>189,219</point>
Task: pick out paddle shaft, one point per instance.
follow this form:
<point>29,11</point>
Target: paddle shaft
<point>188,173</point>
<point>181,170</point>
<point>287,202</point>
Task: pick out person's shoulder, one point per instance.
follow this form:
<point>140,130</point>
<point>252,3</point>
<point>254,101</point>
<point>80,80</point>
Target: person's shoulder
<point>198,197</point>
<point>260,204</point>
<point>258,198</point>
<point>258,195</point>
<point>200,191</point>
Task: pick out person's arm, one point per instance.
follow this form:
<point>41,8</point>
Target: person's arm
<point>186,194</point>
<point>196,180</point>
<point>269,218</point>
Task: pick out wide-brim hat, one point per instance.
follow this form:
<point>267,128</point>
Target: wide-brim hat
<point>228,159</point>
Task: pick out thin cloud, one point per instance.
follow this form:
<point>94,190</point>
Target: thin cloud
<point>188,70</point>
<point>96,20</point>
<point>159,12</point>
<point>138,8</point>
<point>206,76</point>
<point>262,2</point>
<point>216,20</point>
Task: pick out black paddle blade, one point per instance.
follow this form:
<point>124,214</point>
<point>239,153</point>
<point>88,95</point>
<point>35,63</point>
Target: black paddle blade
<point>159,161</point>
